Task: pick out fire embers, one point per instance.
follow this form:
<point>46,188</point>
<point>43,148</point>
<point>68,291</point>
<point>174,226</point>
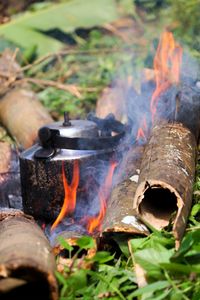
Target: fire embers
<point>85,197</point>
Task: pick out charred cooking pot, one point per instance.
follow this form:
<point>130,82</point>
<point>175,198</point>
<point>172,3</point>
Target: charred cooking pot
<point>74,153</point>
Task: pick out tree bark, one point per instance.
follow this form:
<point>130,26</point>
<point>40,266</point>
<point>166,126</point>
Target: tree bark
<point>120,216</point>
<point>22,114</point>
<point>26,263</point>
<point>10,188</point>
<point>164,191</point>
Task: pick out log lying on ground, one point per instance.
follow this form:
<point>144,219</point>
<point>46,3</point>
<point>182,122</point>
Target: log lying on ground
<point>166,178</point>
<point>10,188</point>
<point>22,114</point>
<point>120,216</point>
<point>20,111</point>
<point>26,263</point>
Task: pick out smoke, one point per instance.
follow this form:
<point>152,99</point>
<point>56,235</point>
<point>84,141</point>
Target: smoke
<point>177,102</point>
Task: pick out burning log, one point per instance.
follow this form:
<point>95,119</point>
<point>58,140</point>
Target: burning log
<point>22,114</point>
<point>10,189</point>
<point>166,178</point>
<point>120,216</point>
<point>26,263</point>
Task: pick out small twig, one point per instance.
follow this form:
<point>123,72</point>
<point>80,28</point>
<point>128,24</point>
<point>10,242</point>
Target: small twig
<point>66,52</point>
<point>65,87</point>
<point>71,88</point>
<point>193,228</point>
<point>116,32</point>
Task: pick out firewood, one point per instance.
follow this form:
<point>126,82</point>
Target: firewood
<point>10,189</point>
<point>166,178</point>
<point>188,108</point>
<point>26,263</point>
<point>22,114</point>
<point>120,216</point>
<point>5,157</point>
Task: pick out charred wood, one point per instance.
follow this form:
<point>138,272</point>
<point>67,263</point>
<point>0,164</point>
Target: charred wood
<point>26,263</point>
<point>188,109</point>
<point>120,217</point>
<point>10,188</point>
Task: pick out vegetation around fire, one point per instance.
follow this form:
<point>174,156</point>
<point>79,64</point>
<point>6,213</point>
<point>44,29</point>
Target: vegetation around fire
<point>89,55</point>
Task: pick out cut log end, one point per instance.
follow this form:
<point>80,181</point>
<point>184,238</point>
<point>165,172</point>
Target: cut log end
<point>157,203</point>
<point>26,262</point>
<point>164,192</point>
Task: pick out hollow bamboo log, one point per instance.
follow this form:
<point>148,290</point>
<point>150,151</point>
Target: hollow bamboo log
<point>22,114</point>
<point>164,191</point>
<point>26,263</point>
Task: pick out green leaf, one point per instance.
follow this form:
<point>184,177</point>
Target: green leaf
<point>121,241</point>
<point>189,240</point>
<point>195,210</point>
<point>180,268</point>
<point>60,278</point>
<point>196,295</point>
<point>163,295</point>
<point>64,243</point>
<point>150,288</point>
<point>78,280</point>
<point>86,242</point>
<point>25,30</point>
<point>102,257</point>
<point>151,258</point>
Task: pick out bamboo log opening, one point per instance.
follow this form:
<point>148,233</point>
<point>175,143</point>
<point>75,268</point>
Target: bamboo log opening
<point>26,263</point>
<point>164,191</point>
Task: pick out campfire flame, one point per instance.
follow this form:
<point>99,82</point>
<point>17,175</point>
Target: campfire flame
<point>69,203</point>
<point>167,62</point>
<point>94,222</point>
<point>141,134</point>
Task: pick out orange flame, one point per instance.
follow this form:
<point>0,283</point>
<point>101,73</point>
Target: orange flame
<point>167,63</point>
<point>69,203</point>
<point>142,130</point>
<point>94,223</point>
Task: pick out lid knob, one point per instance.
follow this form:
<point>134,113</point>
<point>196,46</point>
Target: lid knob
<point>66,122</point>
